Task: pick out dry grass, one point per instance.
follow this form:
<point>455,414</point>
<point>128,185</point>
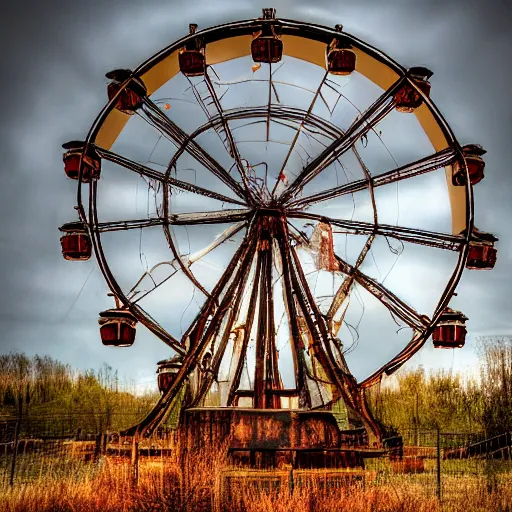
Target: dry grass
<point>109,487</point>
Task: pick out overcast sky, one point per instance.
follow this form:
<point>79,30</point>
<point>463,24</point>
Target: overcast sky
<point>54,58</point>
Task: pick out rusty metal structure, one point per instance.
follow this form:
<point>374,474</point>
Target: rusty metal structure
<point>229,363</point>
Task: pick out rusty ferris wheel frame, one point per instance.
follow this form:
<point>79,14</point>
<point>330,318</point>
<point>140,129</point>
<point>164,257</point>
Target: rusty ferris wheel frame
<point>269,235</point>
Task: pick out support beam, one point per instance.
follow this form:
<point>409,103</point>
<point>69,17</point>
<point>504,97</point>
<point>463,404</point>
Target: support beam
<point>205,320</point>
<point>186,143</point>
<point>410,235</point>
<point>365,122</point>
<point>428,164</point>
<point>161,177</point>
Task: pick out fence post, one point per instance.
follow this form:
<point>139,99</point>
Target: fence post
<point>291,483</point>
<point>104,442</point>
<point>135,459</point>
<point>97,447</point>
<point>16,440</point>
<point>438,464</point>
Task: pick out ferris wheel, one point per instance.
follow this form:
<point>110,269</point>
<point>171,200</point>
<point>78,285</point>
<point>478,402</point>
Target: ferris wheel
<point>234,191</point>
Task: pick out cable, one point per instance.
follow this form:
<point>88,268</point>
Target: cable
<point>78,296</point>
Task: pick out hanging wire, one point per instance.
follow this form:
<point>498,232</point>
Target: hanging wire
<point>192,299</point>
<point>375,261</point>
<point>398,252</point>
<point>141,253</point>
<point>78,295</point>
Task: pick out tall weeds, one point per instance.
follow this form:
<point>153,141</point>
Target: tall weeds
<point>166,484</point>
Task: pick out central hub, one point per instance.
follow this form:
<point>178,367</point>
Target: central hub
<point>268,211</point>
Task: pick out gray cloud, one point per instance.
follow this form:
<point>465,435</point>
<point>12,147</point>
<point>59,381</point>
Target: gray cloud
<point>54,60</point>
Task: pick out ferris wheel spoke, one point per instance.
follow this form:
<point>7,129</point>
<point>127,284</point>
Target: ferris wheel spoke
<point>428,164</point>
<point>152,174</point>
<point>176,219</point>
<point>226,235</point>
<point>411,235</point>
<point>233,150</point>
<point>188,219</point>
<point>365,122</point>
<point>399,308</point>
<point>235,384</point>
<point>125,225</point>
<point>243,254</point>
<point>186,143</point>
<point>137,292</point>
<point>199,334</point>
<point>213,217</point>
<point>299,130</point>
<point>339,373</point>
<point>345,288</point>
<point>339,298</point>
<point>291,289</point>
<point>232,314</point>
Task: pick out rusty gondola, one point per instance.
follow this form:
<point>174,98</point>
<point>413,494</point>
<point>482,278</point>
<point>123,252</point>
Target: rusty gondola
<point>191,56</point>
<point>230,358</point>
<point>117,327</point>
<point>340,58</point>
<point>408,97</point>
<point>167,371</point>
<point>73,161</point>
<point>125,91</point>
<point>451,330</point>
<point>75,242</point>
<point>267,46</point>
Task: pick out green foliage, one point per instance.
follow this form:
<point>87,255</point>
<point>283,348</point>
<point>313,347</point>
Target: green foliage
<point>428,401</point>
<point>452,402</point>
<point>496,377</point>
<point>43,389</point>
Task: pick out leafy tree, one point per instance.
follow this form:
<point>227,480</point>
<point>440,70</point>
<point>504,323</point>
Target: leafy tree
<point>496,379</point>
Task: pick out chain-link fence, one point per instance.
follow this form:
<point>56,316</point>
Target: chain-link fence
<point>447,464</point>
<point>65,446</point>
<point>432,464</point>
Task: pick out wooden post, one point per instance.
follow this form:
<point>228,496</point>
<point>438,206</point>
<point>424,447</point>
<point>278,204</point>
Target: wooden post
<point>104,441</point>
<point>438,464</point>
<point>417,420</point>
<point>16,440</point>
<point>291,483</point>
<point>97,447</point>
<point>135,459</point>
